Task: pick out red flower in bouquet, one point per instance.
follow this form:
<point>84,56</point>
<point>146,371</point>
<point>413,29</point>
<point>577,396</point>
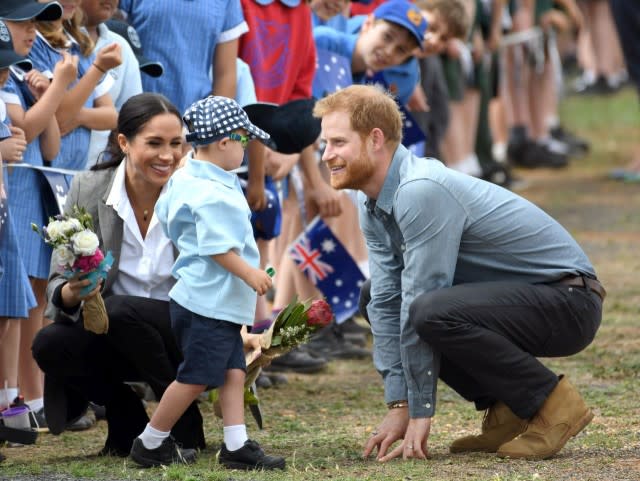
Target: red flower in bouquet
<point>319,314</point>
<point>88,263</point>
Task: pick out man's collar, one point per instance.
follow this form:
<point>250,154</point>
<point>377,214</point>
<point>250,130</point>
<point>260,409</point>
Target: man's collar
<point>384,201</point>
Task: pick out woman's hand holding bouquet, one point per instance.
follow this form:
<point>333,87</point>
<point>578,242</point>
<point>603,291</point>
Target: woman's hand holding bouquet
<point>77,257</point>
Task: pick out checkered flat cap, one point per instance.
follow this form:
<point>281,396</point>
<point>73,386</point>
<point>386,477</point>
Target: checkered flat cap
<point>213,118</point>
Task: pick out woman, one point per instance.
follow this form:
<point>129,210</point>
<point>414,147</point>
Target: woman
<point>81,366</point>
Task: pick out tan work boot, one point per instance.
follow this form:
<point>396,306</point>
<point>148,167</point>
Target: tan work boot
<point>562,415</point>
<point>499,426</point>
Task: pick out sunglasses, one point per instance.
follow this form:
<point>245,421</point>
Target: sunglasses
<point>243,139</point>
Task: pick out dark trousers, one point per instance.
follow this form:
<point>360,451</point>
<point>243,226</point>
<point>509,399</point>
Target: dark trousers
<point>626,14</point>
<point>489,336</point>
<point>82,366</point>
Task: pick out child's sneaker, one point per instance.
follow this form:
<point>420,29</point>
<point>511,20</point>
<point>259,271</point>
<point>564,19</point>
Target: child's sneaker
<point>249,456</point>
<point>167,453</point>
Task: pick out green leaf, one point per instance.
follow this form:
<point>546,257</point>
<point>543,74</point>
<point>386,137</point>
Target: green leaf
<point>250,398</point>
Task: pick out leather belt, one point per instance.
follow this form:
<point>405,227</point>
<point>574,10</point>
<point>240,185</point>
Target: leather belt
<point>584,281</point>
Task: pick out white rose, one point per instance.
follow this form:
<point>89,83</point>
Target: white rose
<point>71,226</point>
<point>63,258</point>
<point>84,243</point>
<point>75,225</point>
<point>55,230</point>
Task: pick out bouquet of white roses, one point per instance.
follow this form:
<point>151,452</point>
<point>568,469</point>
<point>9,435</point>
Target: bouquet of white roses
<point>76,254</point>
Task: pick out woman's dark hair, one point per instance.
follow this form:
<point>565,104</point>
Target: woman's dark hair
<point>134,115</point>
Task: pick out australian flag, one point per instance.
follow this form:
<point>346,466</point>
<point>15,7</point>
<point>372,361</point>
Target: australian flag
<point>327,264</point>
<point>333,72</point>
<point>412,134</point>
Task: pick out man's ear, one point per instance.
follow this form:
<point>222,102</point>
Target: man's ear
<point>377,139</point>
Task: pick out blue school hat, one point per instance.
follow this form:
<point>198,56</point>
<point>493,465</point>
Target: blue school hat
<point>126,31</point>
<point>405,14</point>
<point>215,117</point>
<point>8,56</point>
<point>21,10</point>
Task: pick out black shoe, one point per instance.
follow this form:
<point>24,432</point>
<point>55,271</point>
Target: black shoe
<point>249,456</point>
<point>298,360</point>
<point>263,381</point>
<point>38,421</point>
<point>167,453</point>
<point>331,344</point>
<point>577,145</point>
<point>530,154</point>
<point>498,174</point>
<point>82,423</point>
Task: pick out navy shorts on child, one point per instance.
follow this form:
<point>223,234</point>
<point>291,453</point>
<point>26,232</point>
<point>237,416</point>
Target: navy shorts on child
<point>209,347</point>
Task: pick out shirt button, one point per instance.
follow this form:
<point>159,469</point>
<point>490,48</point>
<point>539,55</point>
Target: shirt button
<point>428,405</point>
<point>402,247</point>
<point>429,373</point>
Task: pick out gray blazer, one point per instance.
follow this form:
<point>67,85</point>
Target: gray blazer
<point>90,190</point>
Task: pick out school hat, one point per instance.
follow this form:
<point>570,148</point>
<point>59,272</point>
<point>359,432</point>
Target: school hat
<point>213,118</point>
<point>292,126</point>
<point>21,10</point>
<point>8,56</point>
<point>405,14</point>
<point>126,31</point>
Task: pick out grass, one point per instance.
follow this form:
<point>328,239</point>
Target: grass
<point>320,422</point>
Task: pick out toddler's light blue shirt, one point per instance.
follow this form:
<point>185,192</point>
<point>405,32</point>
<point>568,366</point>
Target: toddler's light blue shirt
<point>205,213</point>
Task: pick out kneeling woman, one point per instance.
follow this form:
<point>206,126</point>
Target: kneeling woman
<point>80,366</point>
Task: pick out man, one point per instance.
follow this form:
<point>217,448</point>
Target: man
<point>469,283</point>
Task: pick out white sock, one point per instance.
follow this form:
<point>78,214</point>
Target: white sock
<point>235,436</point>
<point>35,404</point>
<point>152,438</point>
<point>469,165</point>
<point>7,396</point>
<point>499,151</point>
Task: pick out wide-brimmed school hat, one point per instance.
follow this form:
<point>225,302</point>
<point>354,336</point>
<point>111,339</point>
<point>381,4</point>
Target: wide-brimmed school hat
<point>126,31</point>
<point>292,126</point>
<point>405,14</point>
<point>8,56</point>
<point>21,10</point>
<point>215,117</point>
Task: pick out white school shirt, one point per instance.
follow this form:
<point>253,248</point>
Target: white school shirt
<point>145,264</point>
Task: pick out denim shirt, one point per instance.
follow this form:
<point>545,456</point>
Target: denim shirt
<point>431,228</point>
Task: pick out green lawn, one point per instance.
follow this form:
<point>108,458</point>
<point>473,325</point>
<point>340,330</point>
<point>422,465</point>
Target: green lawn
<point>319,422</point>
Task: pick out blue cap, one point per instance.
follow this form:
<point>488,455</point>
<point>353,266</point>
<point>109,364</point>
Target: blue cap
<point>405,14</point>
<point>8,56</point>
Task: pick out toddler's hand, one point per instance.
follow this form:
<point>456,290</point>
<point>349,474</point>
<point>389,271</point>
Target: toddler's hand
<point>109,57</point>
<point>260,281</point>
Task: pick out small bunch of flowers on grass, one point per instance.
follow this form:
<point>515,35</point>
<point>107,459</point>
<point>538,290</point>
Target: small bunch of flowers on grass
<point>293,326</point>
<point>76,253</point>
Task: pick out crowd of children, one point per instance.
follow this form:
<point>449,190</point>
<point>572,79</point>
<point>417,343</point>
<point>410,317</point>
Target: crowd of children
<point>481,79</point>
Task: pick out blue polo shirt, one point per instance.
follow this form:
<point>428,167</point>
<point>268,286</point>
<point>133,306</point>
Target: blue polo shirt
<point>401,80</point>
<point>432,227</point>
<point>205,213</point>
<point>183,35</point>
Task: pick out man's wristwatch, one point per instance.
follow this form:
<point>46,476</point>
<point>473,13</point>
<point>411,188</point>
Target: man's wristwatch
<point>398,404</point>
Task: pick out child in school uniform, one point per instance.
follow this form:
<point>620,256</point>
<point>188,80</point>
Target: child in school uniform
<point>126,77</point>
<point>16,296</point>
<point>31,102</point>
<point>87,104</point>
<point>205,214</point>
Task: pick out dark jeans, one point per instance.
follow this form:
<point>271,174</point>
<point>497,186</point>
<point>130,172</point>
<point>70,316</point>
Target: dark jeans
<point>87,367</point>
<point>489,336</point>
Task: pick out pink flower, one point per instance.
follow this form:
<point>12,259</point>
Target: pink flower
<point>88,263</point>
<point>319,314</point>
